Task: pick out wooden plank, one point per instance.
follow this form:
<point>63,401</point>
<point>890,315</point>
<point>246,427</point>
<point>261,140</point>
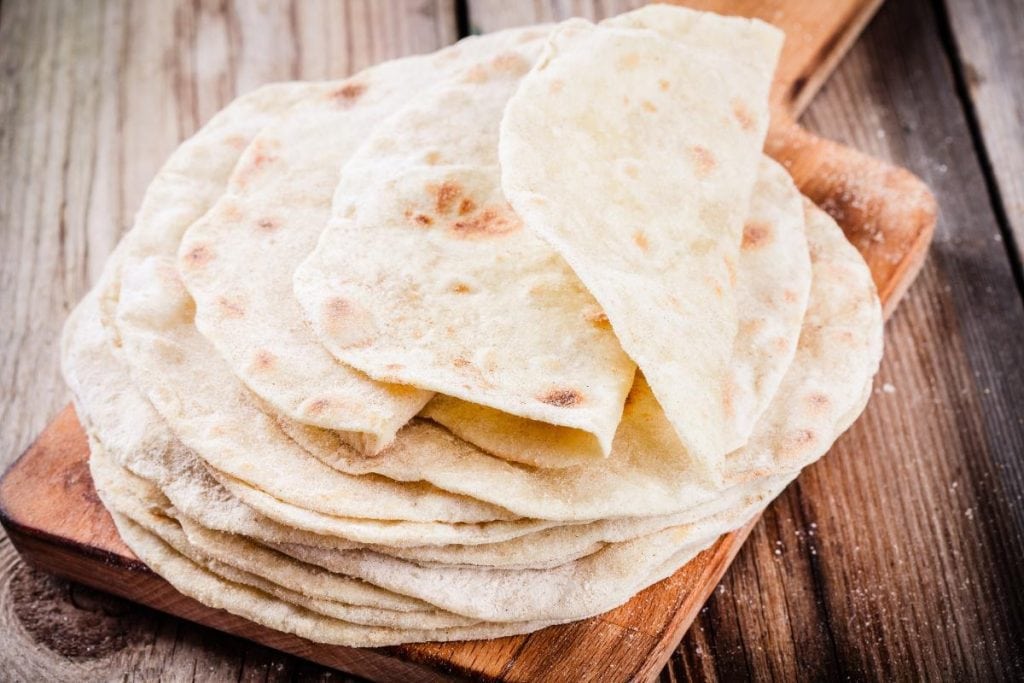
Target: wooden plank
<point>988,37</point>
<point>93,98</point>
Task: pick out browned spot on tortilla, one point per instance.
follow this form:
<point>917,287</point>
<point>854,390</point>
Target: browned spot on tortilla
<point>796,441</point>
<point>257,160</point>
<point>743,115</point>
<point>476,74</point>
<point>394,366</point>
<point>781,344</point>
<point>729,398</point>
<point>348,93</point>
<point>730,267</point>
<point>556,86</point>
<point>232,212</point>
<point>318,406</point>
<point>490,221</point>
<point>268,224</point>
<point>756,234</point>
<point>562,398</point>
<point>629,61</point>
<point>461,288</point>
<point>348,323</point>
<point>790,296</point>
<point>599,320</point>
<point>511,62</point>
<point>230,308</point>
<point>663,84</point>
<point>715,285</point>
<point>198,256</point>
<point>461,363</point>
<point>632,171</point>
<point>263,360</point>
<point>703,160</point>
<point>640,240</point>
<point>648,106</point>
<point>446,195</point>
<point>751,326</point>
<point>818,401</point>
<point>467,205</point>
<point>419,218</point>
<point>433,158</point>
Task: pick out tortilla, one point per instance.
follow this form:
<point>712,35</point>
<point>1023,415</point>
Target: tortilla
<point>641,182</point>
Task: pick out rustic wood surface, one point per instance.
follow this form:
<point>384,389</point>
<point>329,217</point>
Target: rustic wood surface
<point>903,558</point>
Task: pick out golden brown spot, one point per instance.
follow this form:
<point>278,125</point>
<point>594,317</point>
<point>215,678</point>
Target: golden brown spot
<point>231,212</point>
<point>743,115</point>
<point>795,442</point>
<point>422,219</point>
<point>663,84</point>
<point>599,320</point>
<point>640,240</point>
<point>433,158</point>
<point>268,224</point>
<point>756,234</point>
<point>632,171</point>
<point>648,106</point>
<point>629,61</point>
<point>490,221</point>
<point>230,308</point>
<point>476,74</point>
<point>704,160</point>
<point>349,93</point>
<point>318,406</point>
<point>781,344</point>
<point>461,363</point>
<point>198,256</point>
<point>446,195</point>
<point>818,401</point>
<point>466,206</point>
<point>556,86</point>
<point>264,360</point>
<point>461,288</point>
<point>562,398</point>
<point>512,63</point>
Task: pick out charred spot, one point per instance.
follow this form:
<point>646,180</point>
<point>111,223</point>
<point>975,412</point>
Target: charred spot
<point>445,195</point>
<point>422,219</point>
<point>268,224</point>
<point>490,221</point>
<point>756,234</point>
<point>349,93</point>
<point>562,398</point>
<point>741,112</point>
<point>198,256</point>
<point>704,161</point>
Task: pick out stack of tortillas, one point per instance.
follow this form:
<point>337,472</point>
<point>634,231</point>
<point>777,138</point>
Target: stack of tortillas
<point>474,342</point>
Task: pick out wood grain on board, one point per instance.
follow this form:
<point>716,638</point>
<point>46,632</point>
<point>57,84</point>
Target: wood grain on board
<point>898,555</point>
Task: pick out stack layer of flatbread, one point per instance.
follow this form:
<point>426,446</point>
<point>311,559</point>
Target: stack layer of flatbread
<point>474,342</point>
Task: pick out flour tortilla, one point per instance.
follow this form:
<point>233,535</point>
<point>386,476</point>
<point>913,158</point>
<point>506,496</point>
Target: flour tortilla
<point>425,277</point>
<point>207,407</point>
<point>642,185</point>
<point>649,471</point>
<point>277,202</point>
<point>773,283</point>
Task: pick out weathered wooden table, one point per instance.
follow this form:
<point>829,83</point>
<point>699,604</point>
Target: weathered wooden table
<point>899,556</point>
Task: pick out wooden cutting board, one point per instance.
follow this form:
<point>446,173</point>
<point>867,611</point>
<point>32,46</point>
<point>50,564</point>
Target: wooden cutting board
<point>55,520</point>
